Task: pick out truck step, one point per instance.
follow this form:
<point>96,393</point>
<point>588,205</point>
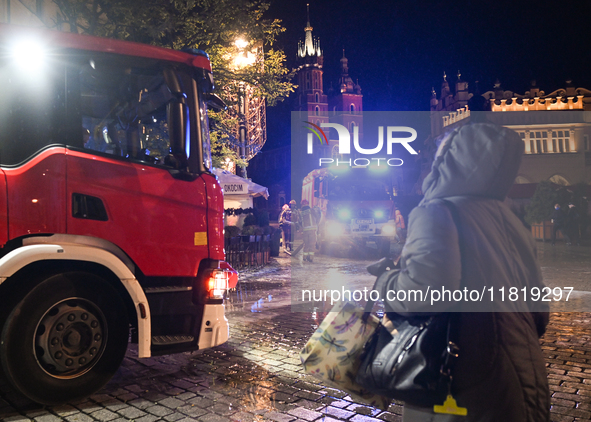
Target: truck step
<point>170,340</point>
<point>168,289</point>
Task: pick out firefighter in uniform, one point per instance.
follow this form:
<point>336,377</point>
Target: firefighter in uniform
<point>309,222</point>
<point>287,221</point>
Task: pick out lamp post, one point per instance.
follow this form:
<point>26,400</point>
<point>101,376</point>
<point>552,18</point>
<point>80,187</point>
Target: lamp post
<point>243,58</point>
<point>242,124</point>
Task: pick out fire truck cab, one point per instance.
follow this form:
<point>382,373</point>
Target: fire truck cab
<point>111,222</point>
<point>356,205</point>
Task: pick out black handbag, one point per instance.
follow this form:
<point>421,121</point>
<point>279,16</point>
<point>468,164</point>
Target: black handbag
<point>410,359</point>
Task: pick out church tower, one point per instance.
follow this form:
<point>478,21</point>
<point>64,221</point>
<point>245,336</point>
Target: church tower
<point>348,101</point>
<point>310,94</point>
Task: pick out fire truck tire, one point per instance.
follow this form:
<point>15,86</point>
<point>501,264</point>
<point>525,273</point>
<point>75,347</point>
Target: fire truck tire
<point>65,339</point>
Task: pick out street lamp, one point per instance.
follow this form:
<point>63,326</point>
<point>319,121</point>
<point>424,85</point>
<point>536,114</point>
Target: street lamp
<point>243,58</point>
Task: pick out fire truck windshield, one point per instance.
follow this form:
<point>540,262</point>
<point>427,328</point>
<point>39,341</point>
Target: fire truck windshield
<point>133,108</point>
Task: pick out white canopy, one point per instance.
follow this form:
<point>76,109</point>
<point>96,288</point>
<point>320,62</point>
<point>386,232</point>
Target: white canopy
<point>236,185</point>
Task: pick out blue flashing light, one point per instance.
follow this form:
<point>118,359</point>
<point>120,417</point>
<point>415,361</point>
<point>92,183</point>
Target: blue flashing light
<point>195,52</point>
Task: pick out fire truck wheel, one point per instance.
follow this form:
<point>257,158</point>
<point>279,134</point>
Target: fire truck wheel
<point>65,339</point>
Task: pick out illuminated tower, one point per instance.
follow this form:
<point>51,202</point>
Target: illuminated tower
<point>311,97</point>
<point>347,104</point>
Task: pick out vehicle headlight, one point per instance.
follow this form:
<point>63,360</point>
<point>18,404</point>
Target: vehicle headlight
<point>344,214</point>
<point>378,214</point>
<point>388,230</point>
<point>334,229</point>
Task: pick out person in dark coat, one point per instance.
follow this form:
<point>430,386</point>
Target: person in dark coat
<point>573,220</point>
<point>500,373</point>
<point>559,224</point>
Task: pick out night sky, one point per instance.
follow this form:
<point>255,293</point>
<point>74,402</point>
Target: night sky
<point>398,50</point>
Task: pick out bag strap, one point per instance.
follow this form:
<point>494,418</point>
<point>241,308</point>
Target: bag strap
<point>452,349</point>
<point>377,269</point>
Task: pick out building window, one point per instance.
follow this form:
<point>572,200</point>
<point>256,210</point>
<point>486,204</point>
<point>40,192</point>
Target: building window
<point>352,108</point>
<point>531,147</point>
<point>317,109</point>
<point>335,152</point>
<point>317,98</point>
<point>561,141</point>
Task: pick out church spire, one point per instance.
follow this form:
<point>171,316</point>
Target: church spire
<point>310,47</point>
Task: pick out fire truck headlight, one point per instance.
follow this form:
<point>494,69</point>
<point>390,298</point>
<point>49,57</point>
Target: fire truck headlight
<point>378,214</point>
<point>334,229</point>
<point>28,55</point>
<point>344,214</point>
<point>388,230</point>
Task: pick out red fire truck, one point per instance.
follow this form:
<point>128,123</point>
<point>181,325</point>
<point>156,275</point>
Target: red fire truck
<point>111,223</point>
<point>356,205</point>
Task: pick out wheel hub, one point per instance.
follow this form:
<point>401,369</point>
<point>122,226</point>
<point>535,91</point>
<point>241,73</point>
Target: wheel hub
<point>70,338</point>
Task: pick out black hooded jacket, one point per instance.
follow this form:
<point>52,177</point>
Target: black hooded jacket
<point>500,374</point>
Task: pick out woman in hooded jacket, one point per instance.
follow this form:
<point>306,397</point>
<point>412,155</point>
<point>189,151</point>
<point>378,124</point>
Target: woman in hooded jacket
<point>500,373</point>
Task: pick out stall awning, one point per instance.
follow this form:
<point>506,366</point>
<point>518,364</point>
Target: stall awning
<point>236,185</point>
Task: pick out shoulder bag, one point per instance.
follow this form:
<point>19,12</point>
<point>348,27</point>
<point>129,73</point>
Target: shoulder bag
<point>411,359</point>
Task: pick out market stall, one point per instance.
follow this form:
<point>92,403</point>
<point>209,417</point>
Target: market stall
<point>238,196</point>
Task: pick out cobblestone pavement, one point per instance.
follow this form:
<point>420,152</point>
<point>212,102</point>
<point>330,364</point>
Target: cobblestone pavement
<point>256,375</point>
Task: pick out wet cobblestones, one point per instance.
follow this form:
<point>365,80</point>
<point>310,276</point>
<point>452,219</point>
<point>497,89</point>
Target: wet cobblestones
<point>256,377</point>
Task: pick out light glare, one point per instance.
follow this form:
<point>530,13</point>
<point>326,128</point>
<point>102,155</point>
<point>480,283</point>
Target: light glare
<point>344,213</point>
<point>28,55</point>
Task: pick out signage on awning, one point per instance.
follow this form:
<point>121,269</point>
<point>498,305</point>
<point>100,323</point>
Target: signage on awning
<point>235,188</point>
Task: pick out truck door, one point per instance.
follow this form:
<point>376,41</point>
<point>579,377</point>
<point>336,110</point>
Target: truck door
<point>33,126</point>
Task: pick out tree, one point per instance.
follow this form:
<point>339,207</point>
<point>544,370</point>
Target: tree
<point>546,195</point>
<point>210,25</point>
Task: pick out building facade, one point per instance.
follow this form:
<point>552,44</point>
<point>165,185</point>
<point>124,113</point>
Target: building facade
<point>34,13</point>
<point>555,127</point>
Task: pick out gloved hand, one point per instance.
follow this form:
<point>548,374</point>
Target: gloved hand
<point>383,265</point>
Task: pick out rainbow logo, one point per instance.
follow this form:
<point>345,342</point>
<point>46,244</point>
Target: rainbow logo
<point>317,129</point>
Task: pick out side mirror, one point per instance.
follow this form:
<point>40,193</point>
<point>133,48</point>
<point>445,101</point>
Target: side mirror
<point>215,103</point>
